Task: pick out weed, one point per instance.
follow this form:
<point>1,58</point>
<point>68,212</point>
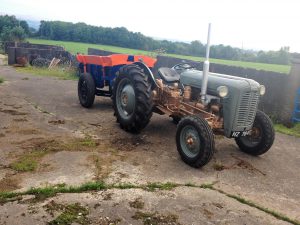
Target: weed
<point>218,166</point>
<point>125,186</point>
<point>190,185</point>
<point>137,204</point>
<point>28,161</point>
<point>161,186</point>
<point>156,219</point>
<point>207,186</point>
<point>79,143</point>
<point>25,164</point>
<point>73,213</point>
<point>1,80</point>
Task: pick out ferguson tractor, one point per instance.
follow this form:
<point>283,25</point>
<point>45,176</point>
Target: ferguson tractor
<point>202,103</point>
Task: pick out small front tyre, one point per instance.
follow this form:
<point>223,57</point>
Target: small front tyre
<point>86,90</point>
<point>195,141</point>
<point>261,138</point>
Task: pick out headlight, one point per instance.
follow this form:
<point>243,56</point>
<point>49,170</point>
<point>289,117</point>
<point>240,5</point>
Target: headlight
<point>222,91</point>
<point>262,90</point>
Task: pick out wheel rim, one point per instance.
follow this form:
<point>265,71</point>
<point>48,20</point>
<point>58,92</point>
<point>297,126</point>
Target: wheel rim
<point>254,138</point>
<point>190,141</point>
<point>125,99</point>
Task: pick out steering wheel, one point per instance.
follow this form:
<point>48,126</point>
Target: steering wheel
<point>183,66</point>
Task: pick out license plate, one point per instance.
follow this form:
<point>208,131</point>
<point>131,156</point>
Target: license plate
<point>235,134</point>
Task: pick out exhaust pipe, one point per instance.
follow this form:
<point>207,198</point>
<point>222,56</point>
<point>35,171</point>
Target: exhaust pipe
<point>205,69</point>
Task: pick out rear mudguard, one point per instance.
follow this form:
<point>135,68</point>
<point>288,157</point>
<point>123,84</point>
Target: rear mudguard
<point>148,72</point>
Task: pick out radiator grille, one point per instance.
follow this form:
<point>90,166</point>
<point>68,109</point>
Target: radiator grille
<point>247,109</point>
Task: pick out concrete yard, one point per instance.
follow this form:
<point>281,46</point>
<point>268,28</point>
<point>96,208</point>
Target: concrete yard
<point>41,121</point>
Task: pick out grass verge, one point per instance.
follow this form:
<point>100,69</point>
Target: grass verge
<point>46,192</point>
<point>75,47</point>
<point>45,72</point>
<point>293,131</point>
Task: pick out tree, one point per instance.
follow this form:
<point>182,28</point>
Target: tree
<point>120,36</point>
<point>15,34</point>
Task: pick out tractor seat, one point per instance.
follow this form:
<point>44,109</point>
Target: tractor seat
<point>168,75</point>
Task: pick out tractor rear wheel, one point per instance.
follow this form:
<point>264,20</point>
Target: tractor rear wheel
<point>132,98</point>
<point>86,90</point>
<point>195,141</point>
<point>261,138</point>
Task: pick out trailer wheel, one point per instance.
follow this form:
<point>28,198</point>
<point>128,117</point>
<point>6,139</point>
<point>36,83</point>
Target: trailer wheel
<point>86,90</point>
<point>195,141</point>
<point>132,98</point>
<point>261,138</point>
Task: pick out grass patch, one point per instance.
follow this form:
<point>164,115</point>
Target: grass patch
<point>73,213</point>
<point>28,161</point>
<point>137,204</point>
<point>1,80</point>
<point>161,186</point>
<point>294,131</point>
<point>45,72</point>
<point>25,164</point>
<point>124,186</point>
<point>75,47</point>
<point>155,218</point>
<point>218,166</point>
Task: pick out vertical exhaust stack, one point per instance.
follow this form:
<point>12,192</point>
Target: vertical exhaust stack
<point>205,69</point>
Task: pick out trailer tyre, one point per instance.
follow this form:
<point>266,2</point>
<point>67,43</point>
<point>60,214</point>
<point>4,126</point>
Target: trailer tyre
<point>195,141</point>
<point>132,98</point>
<point>261,138</point>
<point>86,90</point>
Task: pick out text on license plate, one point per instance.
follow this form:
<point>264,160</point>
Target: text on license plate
<point>235,134</point>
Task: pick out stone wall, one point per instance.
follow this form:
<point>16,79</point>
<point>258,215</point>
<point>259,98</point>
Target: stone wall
<point>8,45</point>
<point>32,53</point>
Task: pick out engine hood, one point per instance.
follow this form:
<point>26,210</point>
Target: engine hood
<point>194,78</point>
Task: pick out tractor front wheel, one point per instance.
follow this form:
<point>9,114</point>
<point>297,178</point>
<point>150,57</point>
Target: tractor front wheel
<point>195,141</point>
<point>261,138</point>
<point>132,98</point>
<point>86,90</point>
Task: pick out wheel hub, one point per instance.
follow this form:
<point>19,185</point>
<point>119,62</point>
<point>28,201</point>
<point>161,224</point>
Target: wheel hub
<point>255,132</point>
<point>190,141</point>
<point>125,99</point>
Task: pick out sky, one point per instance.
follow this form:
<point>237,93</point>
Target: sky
<point>247,24</point>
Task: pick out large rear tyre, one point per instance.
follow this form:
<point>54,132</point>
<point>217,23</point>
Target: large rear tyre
<point>132,98</point>
<point>195,141</point>
<point>261,138</point>
<point>86,90</point>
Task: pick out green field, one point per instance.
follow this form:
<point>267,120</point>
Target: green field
<point>75,47</point>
